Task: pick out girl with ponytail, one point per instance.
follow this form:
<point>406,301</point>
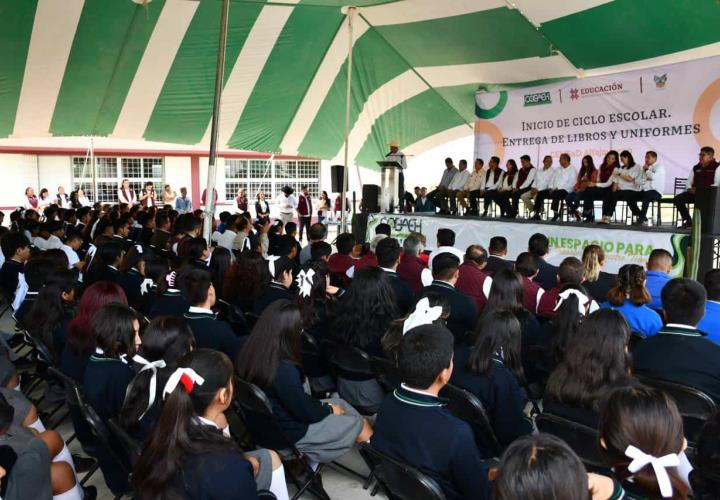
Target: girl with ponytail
<point>164,341</point>
<point>630,298</point>
<point>641,439</point>
<point>190,453</point>
<point>597,281</point>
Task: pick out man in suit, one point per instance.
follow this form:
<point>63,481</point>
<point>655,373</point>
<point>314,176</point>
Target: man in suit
<point>681,353</point>
<point>498,251</point>
<point>388,256</point>
<point>304,210</point>
<point>463,311</point>
<point>539,246</point>
<point>423,203</point>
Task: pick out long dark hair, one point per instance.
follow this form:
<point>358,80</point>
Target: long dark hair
<point>540,467</point>
<point>105,255</point>
<point>497,337</point>
<point>113,328</point>
<point>587,167</point>
<point>605,168</point>
<point>247,277</point>
<point>506,292</point>
<point>565,322</point>
<point>631,161</point>
<point>365,312</point>
<point>50,310</point>
<point>177,435</point>
<point>394,334</point>
<point>313,307</point>
<point>274,338</point>
<point>165,338</point>
<point>630,285</point>
<point>219,264</point>
<point>705,479</point>
<point>80,339</point>
<point>594,362</point>
<point>648,419</point>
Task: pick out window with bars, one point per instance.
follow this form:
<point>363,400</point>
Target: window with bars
<point>270,177</point>
<point>110,171</point>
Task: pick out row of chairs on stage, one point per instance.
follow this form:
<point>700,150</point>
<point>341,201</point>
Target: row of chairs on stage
<point>255,424</point>
<point>622,215</point>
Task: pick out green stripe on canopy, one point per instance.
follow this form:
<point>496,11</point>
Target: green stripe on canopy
<point>295,58</point>
<point>184,108</point>
<point>109,43</point>
<point>627,30</point>
<point>16,24</point>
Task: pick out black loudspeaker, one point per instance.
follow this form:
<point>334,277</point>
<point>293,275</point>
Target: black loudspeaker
<point>359,227</point>
<point>707,200</point>
<point>337,172</point>
<point>370,198</point>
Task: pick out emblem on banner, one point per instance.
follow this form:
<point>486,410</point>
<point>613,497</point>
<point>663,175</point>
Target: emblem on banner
<point>574,94</point>
<point>537,99</point>
<point>660,81</point>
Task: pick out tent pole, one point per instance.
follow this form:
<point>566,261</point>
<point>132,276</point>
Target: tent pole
<point>92,167</point>
<point>348,92</point>
<point>212,168</point>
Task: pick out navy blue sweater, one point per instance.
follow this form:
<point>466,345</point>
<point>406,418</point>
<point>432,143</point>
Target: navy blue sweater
<point>418,430</point>
<point>105,383</point>
<point>463,311</point>
<point>222,475</point>
<point>275,291</point>
<point>9,276</point>
<point>211,333</point>
<point>170,303</point>
<point>295,409</point>
<point>499,392</point>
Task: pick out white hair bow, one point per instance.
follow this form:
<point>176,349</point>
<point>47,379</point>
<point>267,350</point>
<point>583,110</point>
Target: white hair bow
<point>91,250</point>
<point>187,377</point>
<point>304,281</point>
<point>271,263</point>
<point>640,459</point>
<point>170,279</point>
<point>139,249</point>
<point>582,299</point>
<point>153,366</point>
<point>145,286</point>
<point>422,315</point>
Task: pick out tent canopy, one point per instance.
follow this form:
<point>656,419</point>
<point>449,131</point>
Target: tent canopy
<point>119,69</point>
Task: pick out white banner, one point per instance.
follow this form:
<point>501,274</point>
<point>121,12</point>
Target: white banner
<point>621,246</point>
<point>669,109</point>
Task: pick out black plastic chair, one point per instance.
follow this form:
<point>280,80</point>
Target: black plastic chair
<point>466,406</point>
<point>635,339</point>
<point>352,364</point>
<point>401,481</point>
<point>386,372</point>
<point>695,406</point>
<point>233,315</point>
<point>263,426</point>
<point>582,439</point>
<point>43,362</point>
<point>132,447</point>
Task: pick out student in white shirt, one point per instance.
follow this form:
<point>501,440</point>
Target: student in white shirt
<point>651,184</point>
<point>540,183</point>
<point>287,202</point>
<point>625,187</point>
<point>457,184</point>
<point>70,247</point>
<point>56,230</point>
<point>561,184</point>
<point>493,181</point>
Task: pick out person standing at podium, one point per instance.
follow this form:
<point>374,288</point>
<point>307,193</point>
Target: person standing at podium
<point>705,174</point>
<point>396,155</point>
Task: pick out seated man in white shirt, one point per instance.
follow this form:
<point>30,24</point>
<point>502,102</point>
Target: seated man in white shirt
<point>445,244</point>
<point>561,184</point>
<point>457,185</point>
<point>540,183</point>
<point>474,185</point>
<point>651,184</point>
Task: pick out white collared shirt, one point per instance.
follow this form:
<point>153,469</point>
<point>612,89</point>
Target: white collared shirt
<point>563,179</point>
<point>71,255</point>
<point>633,172</point>
<point>460,255</point>
<point>226,239</point>
<point>53,242</point>
<point>652,179</point>
<point>417,391</point>
<point>543,178</point>
<point>207,421</point>
<point>199,310</point>
<point>476,181</point>
<point>459,180</point>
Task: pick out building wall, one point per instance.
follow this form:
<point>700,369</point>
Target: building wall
<point>54,171</point>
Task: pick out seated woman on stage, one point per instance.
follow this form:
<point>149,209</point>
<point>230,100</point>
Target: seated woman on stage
<point>588,173</point>
<point>493,182</point>
<point>602,187</point>
<point>625,188</point>
<point>505,190</point>
<point>630,298</point>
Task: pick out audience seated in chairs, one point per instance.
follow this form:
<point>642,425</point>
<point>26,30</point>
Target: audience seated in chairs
<point>710,323</point>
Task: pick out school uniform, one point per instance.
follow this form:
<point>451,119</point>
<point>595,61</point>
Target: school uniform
<point>547,274</point>
<point>655,281</point>
<point>546,304</point>
<point>170,303</point>
<point>211,333</point>
<point>222,474</point>
<point>710,323</point>
<point>367,260</point>
<point>104,273</point>
<point>105,382</point>
<point>463,311</point>
<point>130,282</point>
<point>404,298</point>
<point>680,354</point>
<point>144,237</point>
<point>585,416</point>
<point>496,263</point>
<point>25,307</point>
<point>126,243</point>
<point>599,288</point>
<point>308,422</point>
<point>274,292</point>
<point>500,394</point>
<point>641,318</point>
<point>410,271</point>
<point>416,428</point>
<point>160,239</point>
<point>475,283</point>
<point>9,276</point>
<point>532,294</point>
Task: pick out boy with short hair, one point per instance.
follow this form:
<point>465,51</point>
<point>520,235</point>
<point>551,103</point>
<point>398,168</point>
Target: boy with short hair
<point>16,250</point>
<point>414,426</point>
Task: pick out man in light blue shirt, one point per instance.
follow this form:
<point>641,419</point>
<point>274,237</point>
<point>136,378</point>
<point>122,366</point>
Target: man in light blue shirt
<point>659,267</point>
<point>440,195</point>
<point>710,323</point>
<point>182,202</point>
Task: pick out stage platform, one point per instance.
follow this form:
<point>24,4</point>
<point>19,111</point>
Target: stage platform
<point>623,244</point>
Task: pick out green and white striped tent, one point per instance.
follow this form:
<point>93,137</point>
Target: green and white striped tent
<point>146,71</point>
